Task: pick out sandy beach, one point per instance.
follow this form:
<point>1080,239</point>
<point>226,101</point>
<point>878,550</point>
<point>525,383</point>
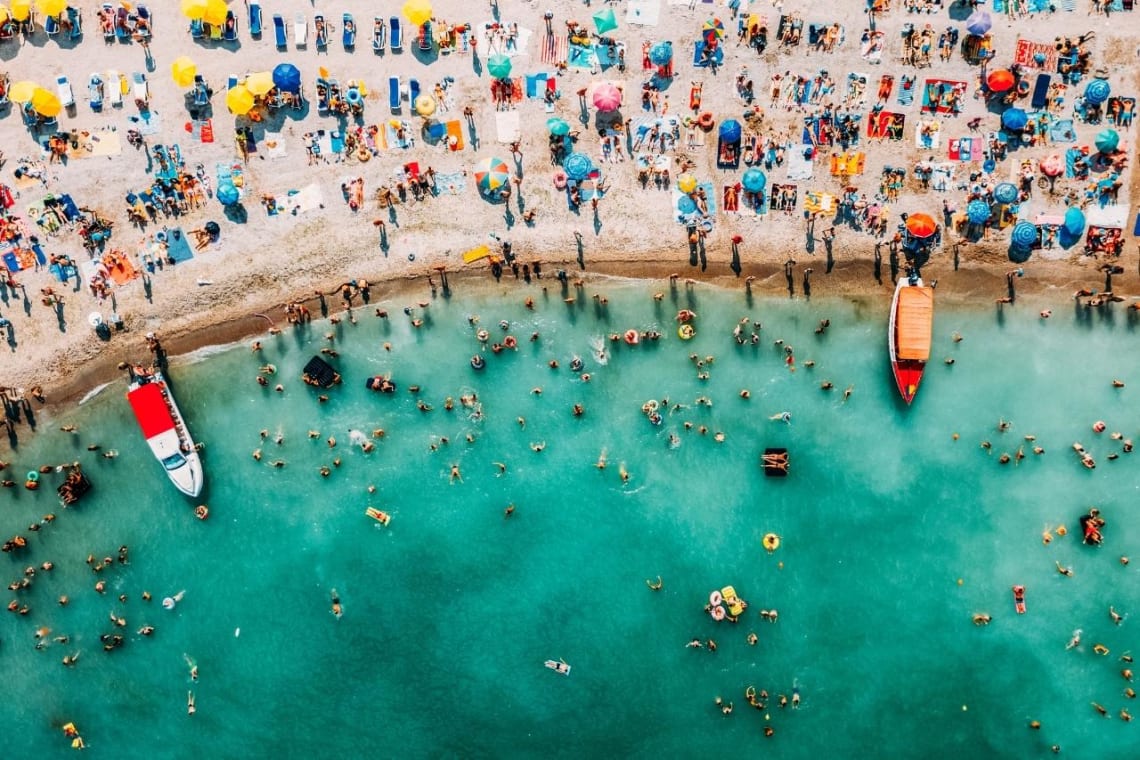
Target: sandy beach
<point>263,262</point>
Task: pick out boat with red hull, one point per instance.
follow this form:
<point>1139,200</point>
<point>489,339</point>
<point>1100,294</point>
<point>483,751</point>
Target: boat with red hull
<point>165,430</point>
<point>909,334</point>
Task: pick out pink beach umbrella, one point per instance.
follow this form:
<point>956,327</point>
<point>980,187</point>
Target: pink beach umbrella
<point>607,98</point>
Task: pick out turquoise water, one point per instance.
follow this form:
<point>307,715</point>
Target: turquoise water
<point>450,611</point>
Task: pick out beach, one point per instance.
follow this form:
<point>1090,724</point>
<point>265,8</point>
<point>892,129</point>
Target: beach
<point>265,261</point>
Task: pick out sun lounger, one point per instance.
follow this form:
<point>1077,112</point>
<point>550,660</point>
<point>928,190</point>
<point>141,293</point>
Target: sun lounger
<point>394,93</point>
<point>107,19</point>
<point>140,90</point>
<point>322,31</point>
<point>379,34</point>
<point>51,26</point>
<point>348,32</point>
<point>147,19</point>
<point>300,30</point>
<point>197,29</point>
<point>114,88</point>
<point>1041,91</point>
<point>323,95</point>
<point>95,93</point>
<point>254,19</point>
<point>424,38</point>
<point>66,96</point>
<point>279,30</point>
<point>201,91</point>
<point>413,91</point>
<point>75,19</point>
<point>230,29</point>
<point>395,33</point>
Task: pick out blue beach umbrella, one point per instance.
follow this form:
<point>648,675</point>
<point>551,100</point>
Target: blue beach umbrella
<point>978,23</point>
<point>978,212</point>
<point>730,130</point>
<point>661,53</point>
<point>754,181</point>
<point>686,205</point>
<point>1107,140</point>
<point>578,166</point>
<point>287,77</point>
<point>499,66</point>
<point>227,194</point>
<point>1097,91</point>
<point>1015,119</point>
<point>1074,221</point>
<point>558,127</point>
<point>1006,192</point>
<point>1024,234</point>
<point>1039,58</point>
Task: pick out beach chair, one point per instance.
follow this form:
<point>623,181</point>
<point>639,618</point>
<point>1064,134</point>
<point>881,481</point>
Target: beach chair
<point>300,30</point>
<point>95,93</point>
<point>413,90</point>
<point>114,89</point>
<point>254,19</point>
<point>379,34</point>
<point>197,29</point>
<point>279,35</point>
<point>4,90</point>
<point>395,33</point>
<point>140,90</point>
<point>145,22</point>
<point>75,22</point>
<point>107,17</point>
<point>230,29</point>
<point>424,37</point>
<point>454,136</point>
<point>348,31</point>
<point>394,93</point>
<point>124,25</point>
<point>51,26</point>
<point>322,31</point>
<point>201,91</point>
<point>63,88</point>
<point>324,93</point>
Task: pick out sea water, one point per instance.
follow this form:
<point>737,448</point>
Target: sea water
<point>893,535</point>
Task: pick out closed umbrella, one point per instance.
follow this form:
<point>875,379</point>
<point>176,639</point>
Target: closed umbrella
<point>21,9</point>
<point>259,82</point>
<point>45,103</point>
<point>730,130</point>
<point>287,77</point>
<point>1074,221</point>
<point>499,66</point>
<point>1097,91</point>
<point>661,53</point>
<point>51,7</point>
<point>1107,140</point>
<point>1001,80</point>
<point>607,98</point>
<point>228,194</point>
<point>22,91</point>
<point>194,9</point>
<point>491,174</point>
<point>1015,119</point>
<point>605,21</point>
<point>425,105</point>
<point>754,181</point>
<point>417,11</point>
<point>1024,234</point>
<point>183,70</point>
<point>978,23</point>
<point>686,183</point>
<point>239,100</point>
<point>978,212</point>
<point>1006,192</point>
<point>558,127</point>
<point>215,14</point>
<point>578,166</point>
<point>921,225</point>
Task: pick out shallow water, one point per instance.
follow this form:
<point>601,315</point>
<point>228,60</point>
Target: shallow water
<point>451,609</point>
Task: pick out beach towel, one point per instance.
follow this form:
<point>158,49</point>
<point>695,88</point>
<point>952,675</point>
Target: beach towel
<point>710,200</point>
<point>454,135</point>
<point>966,149</point>
<point>817,202</point>
<point>11,262</point>
<point>581,57</point>
<point>453,184</point>
<point>799,160</point>
<point>643,12</point>
<point>177,246</point>
<point>1025,52</point>
<point>608,55</point>
<point>491,43</point>
<point>274,144</point>
<point>906,90</point>
<point>872,49</point>
<point>308,198</point>
<point>942,95</point>
<point>927,134</point>
<point>942,176</point>
<point>717,56</point>
<point>885,124</point>
<point>533,89</point>
<point>336,141</point>
<point>507,127</point>
<point>555,48</point>
<point>119,268</point>
<point>1069,6</point>
<point>97,144</point>
<point>149,123</point>
<point>63,273</point>
<point>730,199</point>
<point>1062,131</point>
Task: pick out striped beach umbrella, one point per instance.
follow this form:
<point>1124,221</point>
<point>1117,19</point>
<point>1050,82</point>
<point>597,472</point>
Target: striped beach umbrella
<point>183,70</point>
<point>1024,234</point>
<point>491,174</point>
<point>1006,192</point>
<point>1097,91</point>
<point>713,27</point>
<point>921,225</point>
<point>578,166</point>
<point>978,212</point>
<point>754,181</point>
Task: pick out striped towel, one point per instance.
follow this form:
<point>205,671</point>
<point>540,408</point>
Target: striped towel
<point>1069,6</point>
<point>555,48</point>
<point>906,91</point>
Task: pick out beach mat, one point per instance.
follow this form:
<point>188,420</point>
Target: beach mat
<point>274,145</point>
<point>799,162</point>
<point>119,268</point>
<point>308,198</point>
<point>507,128</point>
<point>453,183</point>
<point>151,125</point>
<point>643,12</point>
<point>177,246</point>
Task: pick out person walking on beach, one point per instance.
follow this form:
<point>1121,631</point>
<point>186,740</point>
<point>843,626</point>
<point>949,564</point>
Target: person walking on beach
<point>807,282</point>
<point>790,276</point>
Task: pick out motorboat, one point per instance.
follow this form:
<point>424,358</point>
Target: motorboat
<point>165,429</point>
<point>912,319</point>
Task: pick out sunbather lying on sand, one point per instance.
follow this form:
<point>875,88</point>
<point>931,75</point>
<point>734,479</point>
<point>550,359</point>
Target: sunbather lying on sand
<point>354,193</point>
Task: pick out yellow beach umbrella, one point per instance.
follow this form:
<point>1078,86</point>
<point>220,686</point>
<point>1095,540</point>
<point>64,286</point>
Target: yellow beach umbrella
<point>22,91</point>
<point>417,11</point>
<point>239,100</point>
<point>183,70</point>
<point>21,9</point>
<point>51,7</point>
<point>259,82</point>
<point>194,9</point>
<point>45,103</point>
<point>215,13</point>
<point>687,183</point>
<point>425,105</point>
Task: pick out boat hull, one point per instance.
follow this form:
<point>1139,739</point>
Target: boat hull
<point>165,431</point>
<point>909,334</point>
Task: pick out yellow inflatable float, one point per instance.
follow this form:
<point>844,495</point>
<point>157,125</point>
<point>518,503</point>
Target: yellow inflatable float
<point>734,603</point>
<point>686,332</point>
<point>771,542</point>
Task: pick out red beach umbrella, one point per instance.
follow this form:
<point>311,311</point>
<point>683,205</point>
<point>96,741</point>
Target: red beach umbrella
<point>607,98</point>
<point>921,225</point>
<point>1001,80</point>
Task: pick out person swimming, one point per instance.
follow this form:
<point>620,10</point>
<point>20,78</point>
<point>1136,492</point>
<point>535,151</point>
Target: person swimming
<point>655,585</point>
<point>337,609</point>
<point>785,417</point>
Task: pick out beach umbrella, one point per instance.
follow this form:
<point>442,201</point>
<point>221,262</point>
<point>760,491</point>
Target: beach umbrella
<point>713,27</point>
<point>51,7</point>
<point>417,11</point>
<point>686,205</point>
<point>1107,140</point>
<point>239,100</point>
<point>978,23</point>
<point>425,105</point>
<point>607,98</point>
<point>215,14</point>
<point>21,9</point>
<point>1014,118</point>
<point>661,53</point>
<point>558,127</point>
<point>287,77</point>
<point>227,194</point>
<point>686,183</point>
<point>194,9</point>
<point>754,181</point>
<point>921,225</point>
<point>45,103</point>
<point>1097,91</point>
<point>1052,166</point>
<point>1001,80</point>
<point>499,66</point>
<point>605,21</point>
<point>978,212</point>
<point>1074,221</point>
<point>183,70</point>
<point>1039,58</point>
<point>730,130</point>
<point>259,82</point>
<point>491,174</point>
<point>578,166</point>
<point>22,91</point>
<point>1024,234</point>
<point>1006,192</point>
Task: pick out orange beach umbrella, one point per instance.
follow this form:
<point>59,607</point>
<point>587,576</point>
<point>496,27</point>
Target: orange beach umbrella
<point>921,225</point>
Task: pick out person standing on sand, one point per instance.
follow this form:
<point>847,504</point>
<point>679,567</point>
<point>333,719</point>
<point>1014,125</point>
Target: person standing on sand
<point>789,275</point>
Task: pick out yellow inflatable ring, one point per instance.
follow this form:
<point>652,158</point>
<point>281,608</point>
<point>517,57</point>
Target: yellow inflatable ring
<point>202,511</point>
<point>771,542</point>
<point>363,154</point>
<point>686,332</point>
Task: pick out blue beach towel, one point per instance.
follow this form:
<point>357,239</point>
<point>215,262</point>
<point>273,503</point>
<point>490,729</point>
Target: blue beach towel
<point>177,247</point>
<point>906,91</point>
<point>11,262</point>
<point>447,183</point>
<point>581,57</point>
<point>699,47</point>
<point>337,139</point>
<point>532,87</point>
<point>1062,131</point>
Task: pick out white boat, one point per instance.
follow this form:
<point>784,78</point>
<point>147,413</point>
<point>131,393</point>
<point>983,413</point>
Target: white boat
<point>558,666</point>
<point>909,332</point>
<point>165,430</point>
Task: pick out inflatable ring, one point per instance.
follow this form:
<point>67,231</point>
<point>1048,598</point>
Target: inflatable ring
<point>483,336</point>
<point>649,406</point>
<point>477,362</point>
<point>168,603</point>
<point>655,418</point>
<point>686,332</point>
<point>363,154</point>
<point>705,121</point>
<point>510,342</point>
<point>411,257</point>
<point>715,598</point>
<point>560,180</point>
<point>771,542</point>
<point>33,476</point>
<point>201,511</point>
<point>717,613</point>
<point>631,337</point>
<point>353,97</point>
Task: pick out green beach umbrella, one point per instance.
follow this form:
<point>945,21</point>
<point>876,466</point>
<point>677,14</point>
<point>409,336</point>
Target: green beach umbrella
<point>558,127</point>
<point>1107,140</point>
<point>605,21</point>
<point>499,66</point>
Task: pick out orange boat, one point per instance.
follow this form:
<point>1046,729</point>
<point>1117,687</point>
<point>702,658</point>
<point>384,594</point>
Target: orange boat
<point>912,320</point>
